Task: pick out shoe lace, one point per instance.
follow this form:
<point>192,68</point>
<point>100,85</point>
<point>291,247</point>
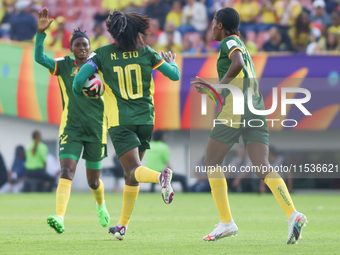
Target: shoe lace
<point>215,229</point>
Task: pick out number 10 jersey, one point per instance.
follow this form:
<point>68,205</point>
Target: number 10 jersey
<point>129,86</point>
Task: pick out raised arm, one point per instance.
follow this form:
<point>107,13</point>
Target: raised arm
<point>43,23</point>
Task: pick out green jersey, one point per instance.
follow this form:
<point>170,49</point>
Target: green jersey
<point>82,117</point>
<point>38,159</point>
<point>245,79</point>
<point>129,86</point>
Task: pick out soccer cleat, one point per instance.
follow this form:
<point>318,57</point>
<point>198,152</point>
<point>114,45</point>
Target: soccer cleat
<point>167,191</point>
<point>103,215</point>
<point>57,223</point>
<point>295,224</point>
<point>222,230</point>
<point>118,232</point>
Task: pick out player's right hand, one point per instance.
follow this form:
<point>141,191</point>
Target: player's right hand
<point>44,21</point>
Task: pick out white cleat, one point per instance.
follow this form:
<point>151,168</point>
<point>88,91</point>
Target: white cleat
<point>295,224</point>
<point>165,181</point>
<point>222,230</point>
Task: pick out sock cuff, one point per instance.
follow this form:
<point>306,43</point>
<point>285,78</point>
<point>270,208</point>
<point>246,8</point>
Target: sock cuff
<point>271,177</point>
<point>138,172</point>
<point>146,175</point>
<point>100,186</point>
<point>65,182</point>
<point>128,188</point>
<point>215,173</point>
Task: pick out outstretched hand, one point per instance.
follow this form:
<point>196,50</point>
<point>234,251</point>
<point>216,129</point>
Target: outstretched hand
<point>44,21</point>
<point>168,56</point>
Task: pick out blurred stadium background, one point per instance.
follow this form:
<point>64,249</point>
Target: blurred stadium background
<point>286,38</point>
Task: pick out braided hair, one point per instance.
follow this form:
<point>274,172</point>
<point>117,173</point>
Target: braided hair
<point>230,20</point>
<point>127,29</point>
<point>77,33</point>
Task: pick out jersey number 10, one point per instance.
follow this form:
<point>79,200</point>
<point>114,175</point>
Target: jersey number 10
<point>126,85</point>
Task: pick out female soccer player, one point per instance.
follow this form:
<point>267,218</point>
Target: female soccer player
<point>82,125</point>
<point>126,69</point>
<point>235,66</point>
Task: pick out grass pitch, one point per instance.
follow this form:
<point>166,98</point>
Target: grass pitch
<point>157,228</point>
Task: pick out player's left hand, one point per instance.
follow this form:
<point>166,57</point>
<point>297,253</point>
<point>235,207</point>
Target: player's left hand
<point>168,56</point>
<point>200,84</point>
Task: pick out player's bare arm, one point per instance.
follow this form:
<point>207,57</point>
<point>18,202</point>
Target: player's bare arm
<point>236,66</point>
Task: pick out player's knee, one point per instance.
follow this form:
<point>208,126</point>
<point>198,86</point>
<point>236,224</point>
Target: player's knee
<point>263,168</point>
<point>129,182</point>
<point>208,162</point>
<point>130,177</point>
<point>93,183</point>
<point>67,173</point>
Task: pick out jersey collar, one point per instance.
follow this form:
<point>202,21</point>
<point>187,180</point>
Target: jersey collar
<point>75,62</point>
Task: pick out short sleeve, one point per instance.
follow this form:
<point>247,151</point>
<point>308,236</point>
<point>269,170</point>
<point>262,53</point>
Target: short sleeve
<point>59,63</point>
<point>156,59</point>
<point>229,46</point>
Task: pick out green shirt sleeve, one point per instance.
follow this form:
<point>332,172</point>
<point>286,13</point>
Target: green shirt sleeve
<point>85,72</point>
<point>229,46</point>
<point>40,57</point>
<point>170,70</point>
<point>156,59</point>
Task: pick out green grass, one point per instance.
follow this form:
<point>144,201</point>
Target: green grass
<point>156,228</point>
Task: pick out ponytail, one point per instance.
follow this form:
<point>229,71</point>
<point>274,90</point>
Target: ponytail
<point>127,29</point>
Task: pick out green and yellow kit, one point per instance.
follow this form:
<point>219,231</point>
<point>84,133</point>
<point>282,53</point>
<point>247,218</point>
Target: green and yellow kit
<point>129,89</point>
<point>83,122</point>
<point>236,125</point>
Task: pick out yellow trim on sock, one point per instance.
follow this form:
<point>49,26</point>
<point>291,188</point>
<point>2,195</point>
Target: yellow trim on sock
<point>63,196</point>
<point>280,192</point>
<point>130,195</point>
<point>146,175</point>
<point>99,193</point>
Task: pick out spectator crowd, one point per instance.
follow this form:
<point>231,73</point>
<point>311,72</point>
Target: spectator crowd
<point>34,169</point>
<point>184,26</point>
